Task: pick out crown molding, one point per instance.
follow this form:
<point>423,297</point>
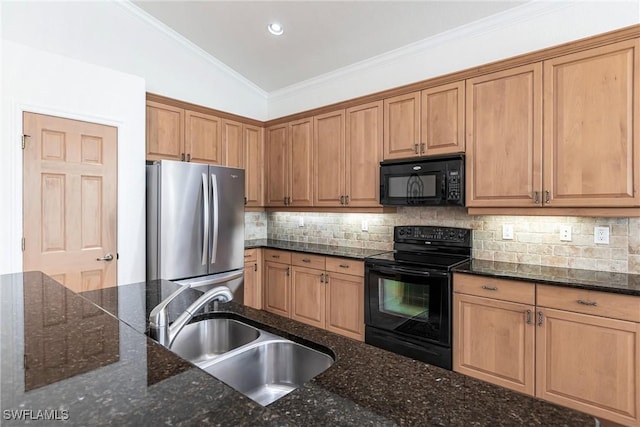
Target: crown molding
<point>134,10</point>
<point>522,13</point>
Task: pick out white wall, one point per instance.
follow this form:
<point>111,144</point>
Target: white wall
<point>37,81</point>
<point>120,36</point>
<point>530,27</point>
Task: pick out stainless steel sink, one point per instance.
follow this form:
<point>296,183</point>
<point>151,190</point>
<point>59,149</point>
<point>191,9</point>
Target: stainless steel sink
<point>261,365</point>
<point>268,371</point>
<point>203,341</point>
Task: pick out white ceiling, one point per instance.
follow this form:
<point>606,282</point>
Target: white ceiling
<point>320,36</point>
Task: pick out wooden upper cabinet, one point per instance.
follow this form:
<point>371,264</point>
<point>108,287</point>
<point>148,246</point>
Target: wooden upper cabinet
<point>591,129</point>
<point>165,132</point>
<point>442,119</point>
<point>203,138</point>
<point>425,123</point>
<point>277,165</point>
<point>504,138</point>
<point>253,165</point>
<point>301,163</point>
<point>402,126</point>
<point>232,141</point>
<point>363,153</point>
<point>329,159</point>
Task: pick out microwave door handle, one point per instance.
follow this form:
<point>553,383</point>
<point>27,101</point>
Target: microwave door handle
<point>205,214</point>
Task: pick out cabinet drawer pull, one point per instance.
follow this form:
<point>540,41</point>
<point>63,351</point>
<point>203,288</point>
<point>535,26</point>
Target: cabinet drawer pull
<point>539,318</point>
<point>182,156</point>
<point>422,146</point>
<point>590,303</point>
<point>288,272</point>
<point>322,278</point>
<point>346,200</point>
<point>342,200</point>
<point>528,317</point>
<point>344,265</point>
<point>307,260</point>
<point>489,288</point>
<point>326,278</point>
<point>247,256</point>
<point>415,148</point>
<point>189,157</point>
<point>275,256</point>
<point>536,197</point>
<point>255,267</point>
<point>547,197</point>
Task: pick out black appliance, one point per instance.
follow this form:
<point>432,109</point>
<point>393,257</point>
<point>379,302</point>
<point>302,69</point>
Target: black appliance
<point>429,181</point>
<point>408,292</point>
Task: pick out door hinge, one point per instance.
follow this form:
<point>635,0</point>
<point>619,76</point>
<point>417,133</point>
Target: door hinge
<point>23,244</point>
<point>24,140</point>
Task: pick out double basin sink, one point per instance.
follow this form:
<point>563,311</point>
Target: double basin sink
<point>261,365</point>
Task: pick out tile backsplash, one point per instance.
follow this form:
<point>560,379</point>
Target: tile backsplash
<point>536,239</point>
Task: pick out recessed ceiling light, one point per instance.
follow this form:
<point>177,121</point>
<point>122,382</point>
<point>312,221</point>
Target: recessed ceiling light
<point>275,29</point>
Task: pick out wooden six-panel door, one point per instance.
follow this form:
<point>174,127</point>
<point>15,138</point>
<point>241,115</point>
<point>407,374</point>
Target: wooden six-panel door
<point>70,201</point>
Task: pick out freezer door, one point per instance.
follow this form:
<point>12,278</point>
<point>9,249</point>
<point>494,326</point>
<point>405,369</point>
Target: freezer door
<point>182,225</point>
<point>226,236</point>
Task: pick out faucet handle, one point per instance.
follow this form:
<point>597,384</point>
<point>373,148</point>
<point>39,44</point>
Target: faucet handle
<point>160,315</point>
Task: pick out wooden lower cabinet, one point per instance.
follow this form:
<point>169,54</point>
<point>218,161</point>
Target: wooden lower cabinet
<point>330,297</point>
<point>253,278</point>
<point>277,286</point>
<point>574,347</point>
<point>494,341</point>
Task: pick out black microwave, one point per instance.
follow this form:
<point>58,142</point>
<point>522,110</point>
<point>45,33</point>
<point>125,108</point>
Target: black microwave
<point>428,181</point>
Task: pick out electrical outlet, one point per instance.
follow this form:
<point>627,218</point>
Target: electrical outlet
<point>601,235</point>
<point>300,221</point>
<point>565,233</point>
<point>507,232</point>
<point>365,225</point>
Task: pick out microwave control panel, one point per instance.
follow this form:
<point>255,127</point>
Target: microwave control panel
<point>453,185</point>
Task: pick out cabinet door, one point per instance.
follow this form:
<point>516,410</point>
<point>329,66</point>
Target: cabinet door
<point>277,288</point>
<point>165,132</point>
<point>345,305</point>
<point>301,166</point>
<point>253,157</point>
<point>277,163</point>
<point>442,119</point>
<point>252,294</point>
<point>328,159</point>
<point>494,341</point>
<point>589,363</point>
<point>402,126</point>
<point>363,153</point>
<point>203,138</point>
<point>591,128</point>
<point>504,138</point>
<point>307,296</point>
<point>232,143</point>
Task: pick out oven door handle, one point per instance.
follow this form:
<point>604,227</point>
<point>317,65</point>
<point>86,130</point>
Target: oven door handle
<point>426,273</point>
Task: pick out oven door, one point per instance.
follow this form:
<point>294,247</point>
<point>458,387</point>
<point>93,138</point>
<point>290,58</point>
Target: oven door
<point>409,302</point>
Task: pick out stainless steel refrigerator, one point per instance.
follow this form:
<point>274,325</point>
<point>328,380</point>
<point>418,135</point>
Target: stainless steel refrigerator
<point>195,224</point>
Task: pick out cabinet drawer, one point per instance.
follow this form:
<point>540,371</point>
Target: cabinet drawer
<point>616,306</point>
<point>250,255</point>
<point>308,260</point>
<point>502,289</point>
<point>346,266</point>
<point>277,255</point>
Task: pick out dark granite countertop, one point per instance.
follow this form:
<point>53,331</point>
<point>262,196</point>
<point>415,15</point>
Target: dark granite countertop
<point>621,283</point>
<point>62,353</point>
<point>313,248</point>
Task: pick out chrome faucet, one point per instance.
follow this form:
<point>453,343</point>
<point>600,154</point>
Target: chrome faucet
<point>159,328</point>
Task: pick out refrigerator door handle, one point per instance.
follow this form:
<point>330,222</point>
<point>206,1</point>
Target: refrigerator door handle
<point>216,214</point>
<point>205,203</point>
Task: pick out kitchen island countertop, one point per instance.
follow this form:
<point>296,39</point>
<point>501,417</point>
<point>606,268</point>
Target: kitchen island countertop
<point>60,352</point>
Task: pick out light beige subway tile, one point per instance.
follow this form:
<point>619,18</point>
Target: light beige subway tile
<point>584,263</point>
<point>567,250</point>
<point>528,258</point>
<point>619,241</point>
<point>583,240</point>
<point>619,254</point>
<point>505,256</point>
<point>620,229</point>
<point>596,253</point>
<point>611,265</point>
<point>540,249</point>
<point>554,261</point>
<point>634,236</point>
<point>511,246</point>
<point>493,246</point>
<point>483,235</point>
<point>634,264</point>
<point>481,254</point>
<point>528,237</point>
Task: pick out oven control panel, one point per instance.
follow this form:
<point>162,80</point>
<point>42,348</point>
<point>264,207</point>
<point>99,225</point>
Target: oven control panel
<point>425,233</point>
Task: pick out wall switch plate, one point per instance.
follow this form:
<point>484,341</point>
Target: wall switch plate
<point>301,221</point>
<point>365,225</point>
<point>565,233</point>
<point>507,232</point>
<point>601,235</point>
